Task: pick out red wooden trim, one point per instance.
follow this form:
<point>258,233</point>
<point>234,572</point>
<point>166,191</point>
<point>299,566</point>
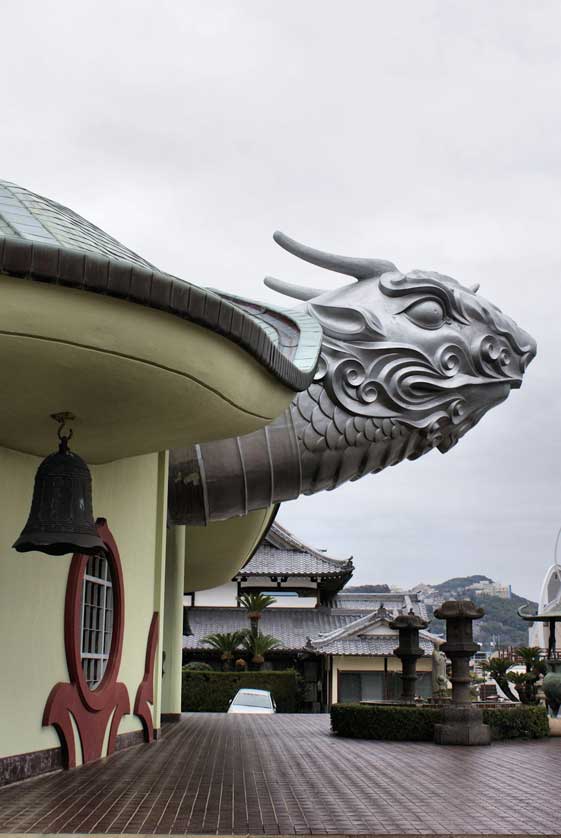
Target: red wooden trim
<point>145,692</point>
<point>91,709</point>
<point>94,699</point>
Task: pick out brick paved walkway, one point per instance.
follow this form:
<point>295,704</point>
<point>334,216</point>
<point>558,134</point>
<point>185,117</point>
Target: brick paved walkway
<point>218,774</point>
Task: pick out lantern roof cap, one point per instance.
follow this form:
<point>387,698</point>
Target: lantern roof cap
<point>458,609</point>
<point>552,612</point>
<point>408,620</point>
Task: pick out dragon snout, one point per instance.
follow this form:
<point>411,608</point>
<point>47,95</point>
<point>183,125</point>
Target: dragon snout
<point>525,352</point>
<point>531,345</point>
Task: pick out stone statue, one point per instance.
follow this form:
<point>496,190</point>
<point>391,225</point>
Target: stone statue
<point>408,363</point>
<point>439,679</point>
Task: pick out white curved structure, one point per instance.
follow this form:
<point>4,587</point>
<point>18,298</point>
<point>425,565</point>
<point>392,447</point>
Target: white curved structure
<point>550,600</point>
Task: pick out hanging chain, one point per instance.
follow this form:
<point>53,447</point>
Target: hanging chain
<point>62,419</point>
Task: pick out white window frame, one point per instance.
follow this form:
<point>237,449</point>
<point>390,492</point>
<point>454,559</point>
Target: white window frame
<point>99,656</point>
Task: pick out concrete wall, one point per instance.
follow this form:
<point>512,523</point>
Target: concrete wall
<point>223,595</point>
<point>131,495</point>
<point>226,595</point>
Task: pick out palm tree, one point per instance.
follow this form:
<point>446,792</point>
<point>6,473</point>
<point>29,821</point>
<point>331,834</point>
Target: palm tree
<point>531,657</point>
<point>497,669</point>
<point>257,645</point>
<point>255,604</point>
<point>526,685</point>
<point>227,643</point>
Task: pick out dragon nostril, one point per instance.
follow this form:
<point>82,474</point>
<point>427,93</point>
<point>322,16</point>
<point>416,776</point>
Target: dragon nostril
<point>504,358</point>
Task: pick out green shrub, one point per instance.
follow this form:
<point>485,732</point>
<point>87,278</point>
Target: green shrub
<point>211,692</point>
<point>198,666</point>
<point>524,722</point>
<point>376,721</point>
<point>416,724</point>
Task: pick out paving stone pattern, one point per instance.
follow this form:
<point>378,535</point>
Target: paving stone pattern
<point>287,774</point>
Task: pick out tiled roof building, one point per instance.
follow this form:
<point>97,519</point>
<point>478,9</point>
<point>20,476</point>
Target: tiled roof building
<point>341,642</point>
<point>287,564</point>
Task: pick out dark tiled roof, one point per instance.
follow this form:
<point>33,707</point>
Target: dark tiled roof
<point>394,601</point>
<point>42,240</point>
<point>281,554</point>
<point>369,634</point>
<point>292,626</point>
<point>380,644</point>
<point>295,628</point>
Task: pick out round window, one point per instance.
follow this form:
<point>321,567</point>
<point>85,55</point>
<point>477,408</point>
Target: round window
<point>96,619</point>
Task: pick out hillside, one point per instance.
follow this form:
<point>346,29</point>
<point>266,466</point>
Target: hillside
<point>460,583</point>
<point>501,625</point>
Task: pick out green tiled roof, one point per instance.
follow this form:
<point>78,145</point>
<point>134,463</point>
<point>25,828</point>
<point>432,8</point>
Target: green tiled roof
<point>43,240</point>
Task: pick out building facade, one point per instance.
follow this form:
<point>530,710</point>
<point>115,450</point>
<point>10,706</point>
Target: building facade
<point>339,642</point>
<point>549,603</point>
<point>144,362</point>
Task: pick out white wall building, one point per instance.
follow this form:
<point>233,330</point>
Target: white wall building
<point>550,600</point>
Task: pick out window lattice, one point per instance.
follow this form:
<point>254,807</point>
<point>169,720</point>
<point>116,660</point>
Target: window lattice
<point>97,619</point>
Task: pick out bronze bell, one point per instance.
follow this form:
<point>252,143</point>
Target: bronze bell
<point>61,517</point>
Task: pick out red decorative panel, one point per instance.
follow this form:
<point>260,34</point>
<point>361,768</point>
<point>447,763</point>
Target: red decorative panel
<point>91,709</point>
<point>145,693</point>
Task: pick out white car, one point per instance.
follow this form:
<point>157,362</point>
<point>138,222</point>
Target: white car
<point>252,701</point>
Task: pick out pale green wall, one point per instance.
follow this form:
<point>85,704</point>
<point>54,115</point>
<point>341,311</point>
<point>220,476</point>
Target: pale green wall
<point>125,492</point>
<point>32,589</point>
<point>131,495</point>
<point>173,620</point>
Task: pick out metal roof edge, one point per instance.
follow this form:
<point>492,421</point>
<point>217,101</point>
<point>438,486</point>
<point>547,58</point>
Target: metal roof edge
<point>31,260</point>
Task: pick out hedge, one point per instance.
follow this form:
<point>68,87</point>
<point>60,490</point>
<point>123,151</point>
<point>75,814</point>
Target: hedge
<point>211,692</point>
<point>416,724</point>
<point>524,722</point>
<point>376,721</point>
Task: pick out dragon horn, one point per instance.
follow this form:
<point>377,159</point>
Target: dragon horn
<point>299,292</point>
<point>359,268</point>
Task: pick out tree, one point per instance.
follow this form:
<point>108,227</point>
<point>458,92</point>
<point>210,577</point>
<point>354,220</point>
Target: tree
<point>526,682</point>
<point>255,605</point>
<point>227,643</point>
<point>531,656</point>
<point>257,645</point>
<point>498,669</point>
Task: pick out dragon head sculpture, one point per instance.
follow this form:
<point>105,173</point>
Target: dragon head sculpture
<point>409,363</point>
<point>419,348</point>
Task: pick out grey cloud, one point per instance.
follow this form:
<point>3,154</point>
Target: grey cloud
<point>424,133</point>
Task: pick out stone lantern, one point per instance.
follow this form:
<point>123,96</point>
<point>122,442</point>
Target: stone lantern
<point>408,626</point>
<point>462,724</point>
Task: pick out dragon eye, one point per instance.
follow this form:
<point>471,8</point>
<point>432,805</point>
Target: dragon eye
<point>428,314</point>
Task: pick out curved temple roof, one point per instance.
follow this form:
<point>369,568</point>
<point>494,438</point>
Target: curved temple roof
<point>44,241</point>
<point>281,554</point>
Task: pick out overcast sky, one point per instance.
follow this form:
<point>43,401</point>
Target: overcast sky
<point>426,133</point>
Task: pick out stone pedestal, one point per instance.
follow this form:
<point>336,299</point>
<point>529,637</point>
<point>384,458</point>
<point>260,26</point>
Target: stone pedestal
<point>463,723</point>
<point>408,626</point>
<point>554,726</point>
